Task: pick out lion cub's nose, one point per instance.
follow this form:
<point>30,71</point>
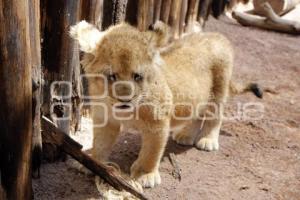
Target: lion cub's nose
<point>123,92</point>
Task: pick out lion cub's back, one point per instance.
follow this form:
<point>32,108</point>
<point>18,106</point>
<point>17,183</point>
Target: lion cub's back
<point>188,66</point>
<point>200,49</point>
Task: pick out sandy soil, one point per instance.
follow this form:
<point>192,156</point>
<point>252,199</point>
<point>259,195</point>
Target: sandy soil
<point>258,159</point>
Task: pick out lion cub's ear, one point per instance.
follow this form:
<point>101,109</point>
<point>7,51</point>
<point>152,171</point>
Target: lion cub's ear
<point>162,34</point>
<point>87,35</point>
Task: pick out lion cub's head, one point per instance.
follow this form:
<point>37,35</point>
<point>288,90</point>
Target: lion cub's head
<point>123,61</point>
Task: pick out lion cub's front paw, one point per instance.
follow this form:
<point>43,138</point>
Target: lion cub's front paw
<point>183,138</point>
<point>147,180</point>
<point>208,144</point>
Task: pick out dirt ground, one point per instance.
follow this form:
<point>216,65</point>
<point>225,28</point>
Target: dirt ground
<point>258,159</point>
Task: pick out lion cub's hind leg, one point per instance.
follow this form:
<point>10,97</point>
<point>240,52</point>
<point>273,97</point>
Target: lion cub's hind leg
<point>188,134</point>
<point>209,138</point>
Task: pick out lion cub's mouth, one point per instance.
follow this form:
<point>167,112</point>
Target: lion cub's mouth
<point>124,106</point>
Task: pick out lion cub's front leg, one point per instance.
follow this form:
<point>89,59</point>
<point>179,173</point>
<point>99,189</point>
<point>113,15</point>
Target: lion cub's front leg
<point>154,138</point>
<point>104,139</point>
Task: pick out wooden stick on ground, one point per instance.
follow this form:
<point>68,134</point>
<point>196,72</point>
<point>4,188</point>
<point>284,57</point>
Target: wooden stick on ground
<point>177,171</point>
<point>68,145</point>
<point>271,21</point>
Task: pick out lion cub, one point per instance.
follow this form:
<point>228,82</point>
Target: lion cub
<point>137,85</point>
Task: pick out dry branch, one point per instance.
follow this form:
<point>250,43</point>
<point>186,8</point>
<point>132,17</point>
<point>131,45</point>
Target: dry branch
<point>271,21</point>
<point>280,7</point>
<point>69,146</point>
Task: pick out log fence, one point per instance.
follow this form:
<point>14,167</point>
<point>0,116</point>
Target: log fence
<point>36,51</point>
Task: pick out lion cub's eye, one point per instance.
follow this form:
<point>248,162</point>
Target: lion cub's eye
<point>137,77</point>
<point>112,77</point>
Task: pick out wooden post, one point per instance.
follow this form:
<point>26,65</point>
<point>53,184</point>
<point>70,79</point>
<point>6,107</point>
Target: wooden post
<point>131,12</point>
<point>157,9</point>
<point>35,46</point>
<point>60,58</point>
<point>145,14</point>
<point>191,14</point>
<point>119,11</point>
<point>195,11</point>
<point>204,11</point>
<point>114,11</point>
<point>183,13</point>
<point>175,17</point>
<point>15,100</point>
<point>165,11</point>
<point>107,14</point>
<point>96,13</point>
<point>150,20</point>
<point>2,193</point>
<point>92,11</point>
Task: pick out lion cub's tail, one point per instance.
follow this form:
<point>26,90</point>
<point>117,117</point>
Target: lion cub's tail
<point>240,89</point>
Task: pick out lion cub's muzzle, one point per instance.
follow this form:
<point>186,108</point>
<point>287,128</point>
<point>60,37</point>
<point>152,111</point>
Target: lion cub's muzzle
<point>124,104</point>
<point>123,91</point>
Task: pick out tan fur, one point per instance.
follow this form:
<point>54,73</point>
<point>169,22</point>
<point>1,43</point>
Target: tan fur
<point>196,72</point>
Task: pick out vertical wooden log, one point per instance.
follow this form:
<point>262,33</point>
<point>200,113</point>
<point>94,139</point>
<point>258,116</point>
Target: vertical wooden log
<point>191,14</point>
<point>114,11</point>
<point>96,13</point>
<point>183,13</point>
<point>15,100</point>
<point>175,17</point>
<point>108,18</point>
<point>143,9</point>
<point>92,11</point>
<point>85,9</point>
<point>195,11</point>
<point>60,57</point>
<point>2,193</point>
<point>35,46</point>
<point>165,10</point>
<point>150,13</point>
<point>142,14</point>
<point>204,11</point>
<point>157,9</point>
<point>120,11</point>
<point>76,100</point>
<point>131,12</point>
